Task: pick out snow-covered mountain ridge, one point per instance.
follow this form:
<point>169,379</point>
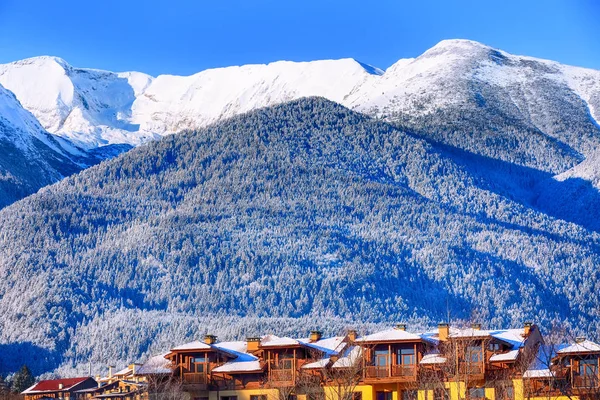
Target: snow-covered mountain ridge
<point>94,108</point>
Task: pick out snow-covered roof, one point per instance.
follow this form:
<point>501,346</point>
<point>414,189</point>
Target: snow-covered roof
<point>124,371</point>
<point>224,347</point>
<point>329,346</point>
<point>540,365</point>
<point>469,333</point>
<point>276,341</point>
<point>236,349</point>
<point>320,364</point>
<point>514,337</point>
<point>432,358</point>
<point>239,346</point>
<point>508,356</point>
<point>156,365</point>
<point>585,346</point>
<point>390,335</point>
<point>538,373</point>
<point>195,345</point>
<point>350,357</point>
<point>239,366</point>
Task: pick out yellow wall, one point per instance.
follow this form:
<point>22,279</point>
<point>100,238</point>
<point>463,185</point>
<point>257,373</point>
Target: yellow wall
<point>244,394</point>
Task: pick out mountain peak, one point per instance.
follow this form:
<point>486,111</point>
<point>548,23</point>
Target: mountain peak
<point>43,60</point>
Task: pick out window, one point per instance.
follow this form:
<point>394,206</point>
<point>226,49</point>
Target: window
<point>383,396</point>
<point>258,397</point>
<point>381,360</point>
<point>588,367</point>
<point>357,396</point>
<point>409,395</point>
<point>405,356</point>
<point>474,354</point>
<point>477,393</point>
<point>494,347</point>
<point>197,364</point>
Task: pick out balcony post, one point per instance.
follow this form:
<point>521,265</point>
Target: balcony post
<point>389,360</point>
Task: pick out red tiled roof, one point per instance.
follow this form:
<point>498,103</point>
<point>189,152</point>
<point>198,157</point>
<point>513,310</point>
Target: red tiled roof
<point>53,385</point>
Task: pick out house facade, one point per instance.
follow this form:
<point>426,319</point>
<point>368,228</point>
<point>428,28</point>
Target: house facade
<point>394,364</point>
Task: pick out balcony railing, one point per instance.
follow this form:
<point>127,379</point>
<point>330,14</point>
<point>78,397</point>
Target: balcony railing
<point>404,370</point>
<point>377,371</point>
<point>470,369</point>
<point>585,381</point>
<point>282,375</point>
<point>195,378</point>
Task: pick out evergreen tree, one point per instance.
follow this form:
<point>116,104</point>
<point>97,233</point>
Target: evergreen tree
<point>22,379</point>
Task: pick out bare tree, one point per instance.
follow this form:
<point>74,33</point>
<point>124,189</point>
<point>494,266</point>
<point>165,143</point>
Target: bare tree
<point>166,389</point>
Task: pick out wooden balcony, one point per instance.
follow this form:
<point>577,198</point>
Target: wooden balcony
<point>397,373</point>
<point>585,381</point>
<point>408,372</point>
<point>470,369</point>
<point>195,378</point>
<point>281,375</point>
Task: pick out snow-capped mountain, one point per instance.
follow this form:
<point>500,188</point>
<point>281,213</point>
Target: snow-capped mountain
<point>30,157</point>
<point>456,77</point>
<point>91,108</point>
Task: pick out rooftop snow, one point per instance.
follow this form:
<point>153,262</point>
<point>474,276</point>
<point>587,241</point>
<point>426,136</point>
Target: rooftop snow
<point>351,356</point>
<point>432,358</point>
<point>390,335</point>
<point>586,346</point>
<point>509,356</point>
<point>276,341</point>
<point>155,365</point>
<point>195,345</point>
<point>239,366</point>
<point>322,363</point>
<point>332,345</point>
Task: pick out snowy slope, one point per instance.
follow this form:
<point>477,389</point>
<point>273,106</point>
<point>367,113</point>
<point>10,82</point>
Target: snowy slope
<point>30,157</point>
<point>90,107</point>
<point>532,112</point>
<point>173,103</point>
<point>94,108</point>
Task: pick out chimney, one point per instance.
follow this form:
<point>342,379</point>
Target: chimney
<point>315,336</point>
<point>352,335</point>
<point>60,386</point>
<point>443,331</point>
<point>252,344</point>
<point>401,327</point>
<point>527,329</point>
<point>110,371</point>
<point>476,327</point>
<point>580,339</point>
<point>210,339</point>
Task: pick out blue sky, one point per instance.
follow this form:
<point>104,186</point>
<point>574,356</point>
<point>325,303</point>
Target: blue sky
<point>186,36</point>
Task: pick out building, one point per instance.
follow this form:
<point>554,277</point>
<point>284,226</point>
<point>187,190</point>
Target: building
<point>394,364</point>
<point>66,389</point>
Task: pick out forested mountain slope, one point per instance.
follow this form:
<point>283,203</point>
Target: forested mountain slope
<point>304,209</point>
